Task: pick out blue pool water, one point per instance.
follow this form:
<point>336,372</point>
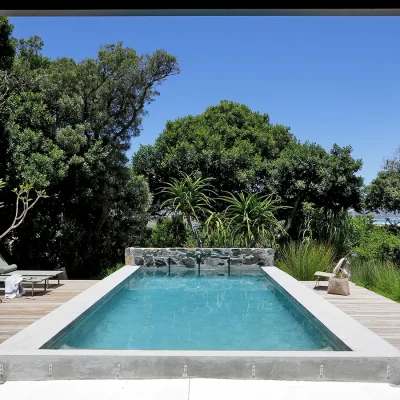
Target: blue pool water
<point>154,311</point>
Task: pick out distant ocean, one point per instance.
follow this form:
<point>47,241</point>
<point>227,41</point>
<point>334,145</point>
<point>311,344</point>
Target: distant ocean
<point>384,220</point>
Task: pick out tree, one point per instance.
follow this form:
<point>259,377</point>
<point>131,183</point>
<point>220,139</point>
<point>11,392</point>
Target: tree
<point>252,217</point>
<point>307,173</point>
<point>69,125</point>
<point>384,191</point>
<point>23,196</point>
<point>7,54</point>
<point>7,44</point>
<point>188,197</point>
<point>228,142</point>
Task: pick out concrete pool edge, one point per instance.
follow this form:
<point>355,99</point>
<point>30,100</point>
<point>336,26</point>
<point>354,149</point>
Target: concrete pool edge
<point>356,336</point>
<point>372,359</point>
<point>43,330</point>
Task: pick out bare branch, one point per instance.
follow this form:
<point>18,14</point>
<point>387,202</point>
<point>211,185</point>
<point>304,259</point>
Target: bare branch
<point>22,195</point>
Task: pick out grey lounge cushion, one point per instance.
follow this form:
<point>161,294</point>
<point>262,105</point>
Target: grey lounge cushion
<point>4,267</point>
<point>8,268</point>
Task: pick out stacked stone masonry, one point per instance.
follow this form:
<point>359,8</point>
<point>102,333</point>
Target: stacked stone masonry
<point>210,257</point>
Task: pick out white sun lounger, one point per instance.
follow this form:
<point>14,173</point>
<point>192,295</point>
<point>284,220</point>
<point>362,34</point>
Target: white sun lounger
<point>7,270</point>
<point>342,266</point>
<point>34,273</point>
<point>32,280</point>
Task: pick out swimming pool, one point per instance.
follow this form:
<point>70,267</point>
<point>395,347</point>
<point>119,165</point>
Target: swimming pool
<point>48,349</point>
<point>161,311</point>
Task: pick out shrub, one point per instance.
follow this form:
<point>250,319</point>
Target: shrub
<point>169,232</point>
<point>379,244</point>
<point>382,277</point>
<point>303,259</point>
<point>341,230</point>
<point>108,271</point>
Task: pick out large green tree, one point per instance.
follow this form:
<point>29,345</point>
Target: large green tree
<point>68,126</point>
<point>305,172</point>
<point>7,44</point>
<point>228,142</point>
<point>384,191</point>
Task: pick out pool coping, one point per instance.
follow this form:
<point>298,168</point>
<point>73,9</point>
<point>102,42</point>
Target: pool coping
<point>355,335</point>
<point>371,358</point>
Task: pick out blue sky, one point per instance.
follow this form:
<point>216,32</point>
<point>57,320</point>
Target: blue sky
<point>331,79</point>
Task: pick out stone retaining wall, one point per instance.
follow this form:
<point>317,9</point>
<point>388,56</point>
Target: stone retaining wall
<point>211,257</point>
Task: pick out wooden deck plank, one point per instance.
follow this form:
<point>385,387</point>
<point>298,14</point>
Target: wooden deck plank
<point>377,313</point>
<point>17,314</point>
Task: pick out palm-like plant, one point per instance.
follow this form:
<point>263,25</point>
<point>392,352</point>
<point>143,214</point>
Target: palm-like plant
<point>253,217</point>
<point>188,197</point>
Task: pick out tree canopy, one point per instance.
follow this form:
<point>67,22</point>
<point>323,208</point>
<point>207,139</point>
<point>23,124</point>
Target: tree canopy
<point>227,142</point>
<point>384,191</point>
<point>306,173</point>
<point>243,151</point>
<point>66,128</point>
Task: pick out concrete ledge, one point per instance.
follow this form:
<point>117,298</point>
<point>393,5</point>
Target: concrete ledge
<point>43,330</point>
<point>284,367</point>
<point>23,357</point>
<point>349,331</point>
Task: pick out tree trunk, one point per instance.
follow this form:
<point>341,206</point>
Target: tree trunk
<point>102,221</point>
<point>196,235</point>
<point>256,238</point>
<point>290,219</point>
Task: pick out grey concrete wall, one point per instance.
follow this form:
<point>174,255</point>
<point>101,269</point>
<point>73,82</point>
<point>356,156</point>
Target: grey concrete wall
<point>211,257</point>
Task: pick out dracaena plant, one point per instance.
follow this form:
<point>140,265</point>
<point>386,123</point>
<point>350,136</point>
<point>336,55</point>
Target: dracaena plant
<point>190,198</point>
<point>252,217</point>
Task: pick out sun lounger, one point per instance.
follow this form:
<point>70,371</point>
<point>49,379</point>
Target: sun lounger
<point>33,273</point>
<point>343,266</point>
<point>32,280</point>
<point>7,270</point>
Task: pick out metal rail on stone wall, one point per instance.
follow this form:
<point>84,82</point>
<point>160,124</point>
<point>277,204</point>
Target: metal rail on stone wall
<point>198,257</point>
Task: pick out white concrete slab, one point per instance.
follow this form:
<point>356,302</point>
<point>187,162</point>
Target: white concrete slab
<point>165,389</point>
<point>197,389</point>
<point>217,389</point>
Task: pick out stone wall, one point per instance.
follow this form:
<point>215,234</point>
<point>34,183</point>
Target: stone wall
<point>211,257</point>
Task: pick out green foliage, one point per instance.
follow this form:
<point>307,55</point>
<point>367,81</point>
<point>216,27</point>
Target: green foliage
<point>384,191</point>
<point>169,232</point>
<point>34,156</point>
<point>379,243</point>
<point>382,277</point>
<point>110,270</point>
<point>340,230</point>
<point>307,173</point>
<point>228,142</point>
<point>7,44</point>
<point>66,126</point>
<point>251,218</point>
<point>302,259</point>
<point>188,197</point>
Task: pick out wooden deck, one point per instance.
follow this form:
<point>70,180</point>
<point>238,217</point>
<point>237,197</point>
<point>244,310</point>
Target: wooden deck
<point>17,314</point>
<point>377,313</point>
